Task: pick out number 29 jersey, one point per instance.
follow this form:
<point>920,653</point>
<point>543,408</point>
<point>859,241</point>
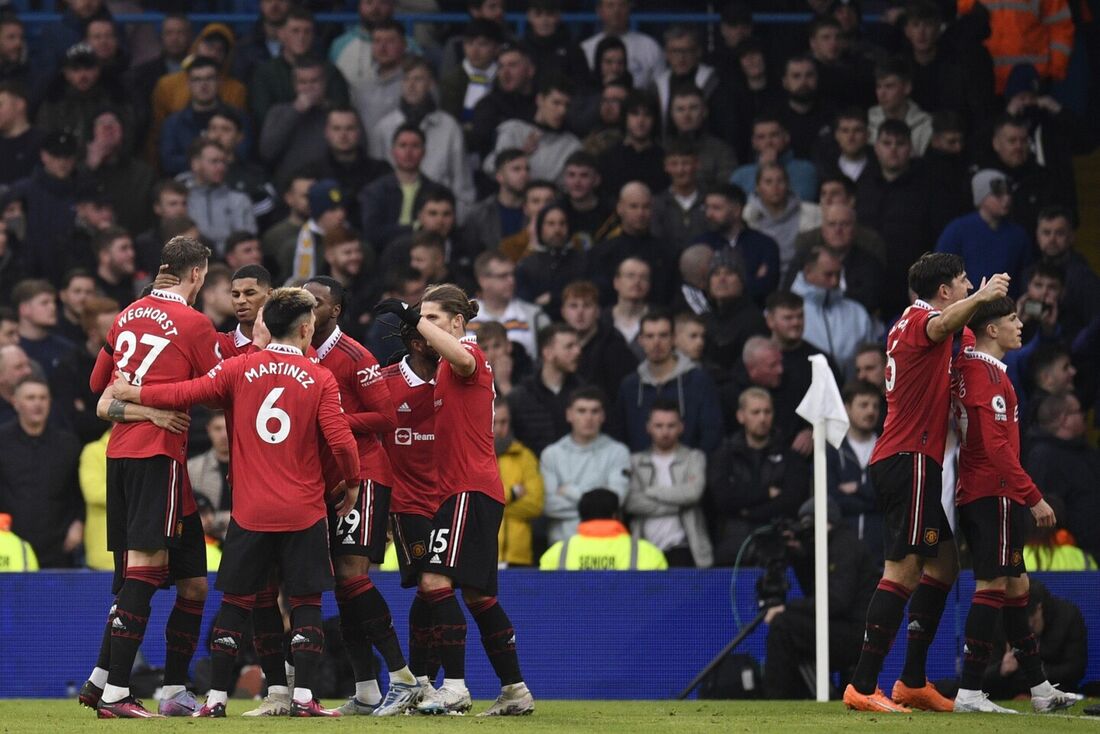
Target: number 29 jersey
<point>157,340</point>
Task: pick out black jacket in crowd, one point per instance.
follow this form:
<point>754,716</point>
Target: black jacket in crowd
<point>1071,470</point>
<point>606,359</point>
<point>538,414</point>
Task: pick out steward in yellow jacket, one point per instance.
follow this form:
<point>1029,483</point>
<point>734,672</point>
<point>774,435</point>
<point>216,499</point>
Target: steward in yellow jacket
<point>602,542</point>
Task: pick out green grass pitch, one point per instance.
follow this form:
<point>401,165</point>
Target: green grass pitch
<point>629,717</point>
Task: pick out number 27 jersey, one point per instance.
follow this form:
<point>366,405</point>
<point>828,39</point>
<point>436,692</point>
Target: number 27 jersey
<point>157,340</point>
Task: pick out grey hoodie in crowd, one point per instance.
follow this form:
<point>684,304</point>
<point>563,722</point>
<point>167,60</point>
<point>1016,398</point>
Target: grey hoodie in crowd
<point>570,469</point>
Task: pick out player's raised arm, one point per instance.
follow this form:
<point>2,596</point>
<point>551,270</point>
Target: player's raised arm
<point>954,317</point>
<point>442,321</point>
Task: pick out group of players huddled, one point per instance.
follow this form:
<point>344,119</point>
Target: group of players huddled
<point>328,451</point>
<point>944,355</point>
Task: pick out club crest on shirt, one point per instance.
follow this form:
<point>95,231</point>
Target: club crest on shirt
<point>931,536</point>
<point>1017,558</point>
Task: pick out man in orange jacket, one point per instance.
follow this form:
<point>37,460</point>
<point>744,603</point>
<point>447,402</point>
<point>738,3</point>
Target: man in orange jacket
<point>1039,32</point>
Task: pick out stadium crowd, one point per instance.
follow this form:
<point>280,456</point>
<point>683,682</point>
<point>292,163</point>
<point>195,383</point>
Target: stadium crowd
<point>660,229</point>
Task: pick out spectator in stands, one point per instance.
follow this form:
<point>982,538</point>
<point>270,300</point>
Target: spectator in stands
<point>496,280</point>
<point>634,239</point>
<point>1063,464</point>
<point>227,127</point>
<point>688,114</point>
<point>523,490</point>
<point>11,267</point>
<point>169,202</point>
<point>638,157</point>
<point>1061,637</point>
<point>489,11</point>
<point>388,202</point>
<point>1042,32</point>
<point>847,153</point>
<point>293,133</point>
<point>785,317</point>
<point>48,196</point>
<point>9,327</point>
<point>849,481</point>
<point>664,374</point>
<point>19,142</point>
<point>94,214</point>
<point>555,260</point>
<point>762,366</point>
<point>695,262</point>
<point>343,253</point>
<point>351,52</point>
<point>893,86</point>
<point>500,215</point>
<point>125,179</point>
<point>723,207</point>
<point>666,486</point>
<point>14,64</point>
<point>678,211</point>
<point>57,38</point>
<point>862,274</point>
<point>279,240</point>
<point>216,209</point>
<point>605,357</point>
<point>602,542</point>
<point>272,83</point>
<point>209,471</point>
<point>751,479</point>
<point>543,138</point>
<point>735,27</point>
<point>1052,373</point>
<point>1031,185</point>
<point>771,144</point>
<point>776,211</point>
<point>632,285</point>
<point>435,213</point>
<point>804,114</point>
<point>731,317</point>
<point>512,97</point>
<point>16,554</point>
<point>426,254</point>
<point>14,366</point>
<point>583,460</point>
<point>326,213</point>
<point>345,158</point>
<point>539,401</point>
<point>605,131</point>
<point>894,200</point>
<point>834,323</point>
<point>175,39</point>
<point>683,56</point>
<point>407,284</point>
<point>216,297</point>
<point>537,195</point>
<point>987,241</point>
<point>1037,306</point>
<point>643,55</point>
<point>377,96</point>
<point>92,472</point>
<point>1054,548</point>
<point>840,78</point>
<point>76,288</point>
<point>77,94</point>
<point>552,48</point>
<point>1080,301</point>
<point>262,43</point>
<point>180,129</point>
<point>754,96</point>
<point>509,362</point>
<point>73,400</point>
<point>462,88</point>
<point>35,301</point>
<point>445,150</point>
<point>38,478</point>
<point>243,248</point>
<point>945,163</point>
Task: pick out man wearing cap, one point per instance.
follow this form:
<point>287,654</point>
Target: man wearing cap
<point>602,542</point>
<point>853,574</point>
<point>216,209</point>
<point>75,95</point>
<point>326,213</point>
<point>987,240</point>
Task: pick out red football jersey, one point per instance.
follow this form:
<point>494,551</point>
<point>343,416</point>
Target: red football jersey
<point>411,446</point>
<point>987,415</point>
<point>233,343</point>
<point>282,406</point>
<point>464,451</point>
<point>157,340</point>
<point>918,388</point>
<point>366,400</point>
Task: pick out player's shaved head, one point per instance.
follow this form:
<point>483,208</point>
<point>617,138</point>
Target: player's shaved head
<point>285,309</point>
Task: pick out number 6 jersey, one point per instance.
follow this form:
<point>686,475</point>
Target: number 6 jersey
<point>156,340</point>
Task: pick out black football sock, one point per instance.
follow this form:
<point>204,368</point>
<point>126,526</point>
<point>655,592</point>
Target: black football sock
<point>349,599</point>
<point>225,639</point>
<point>131,618</point>
<point>498,638</point>
<point>421,648</point>
<point>884,615</point>
<point>985,606</point>
<point>1024,643</point>
<point>448,631</point>
<point>925,610</point>
<point>103,661</point>
<point>267,637</point>
<point>181,637</point>
<point>307,639</point>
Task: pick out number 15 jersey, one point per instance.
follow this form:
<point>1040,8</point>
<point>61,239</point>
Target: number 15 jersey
<point>156,340</point>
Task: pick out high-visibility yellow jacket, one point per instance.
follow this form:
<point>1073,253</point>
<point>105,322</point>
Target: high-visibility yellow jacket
<point>16,554</point>
<point>1038,32</point>
<point>603,545</point>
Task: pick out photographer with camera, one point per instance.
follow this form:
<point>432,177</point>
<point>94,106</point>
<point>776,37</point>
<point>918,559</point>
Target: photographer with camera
<point>1038,306</point>
<point>853,575</point>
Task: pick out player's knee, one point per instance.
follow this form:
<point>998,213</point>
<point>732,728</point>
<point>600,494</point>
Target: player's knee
<point>194,589</point>
<point>997,584</point>
<point>473,597</point>
<point>434,582</point>
<point>146,558</point>
<point>906,572</point>
<point>1016,587</point>
<point>349,567</point>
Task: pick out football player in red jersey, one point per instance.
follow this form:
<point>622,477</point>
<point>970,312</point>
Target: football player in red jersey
<point>150,506</point>
<point>416,495</point>
<point>921,558</point>
<point>359,538</point>
<point>462,550</point>
<point>994,495</point>
<point>283,404</point>
<point>250,288</point>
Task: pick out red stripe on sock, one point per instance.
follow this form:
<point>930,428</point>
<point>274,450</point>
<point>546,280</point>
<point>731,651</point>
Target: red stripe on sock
<point>437,596</point>
<point>305,600</point>
<point>152,575</point>
<point>892,587</point>
<point>350,588</point>
<point>480,607</point>
<point>1017,601</point>
<point>241,601</point>
<point>990,598</point>
<point>935,583</point>
<point>191,606</point>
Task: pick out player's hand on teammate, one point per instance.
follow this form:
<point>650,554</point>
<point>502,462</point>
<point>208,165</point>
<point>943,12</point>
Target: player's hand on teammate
<point>121,389</point>
<point>165,279</point>
<point>172,421</point>
<point>993,288</point>
<point>261,336</point>
<point>347,493</point>
<point>400,309</point>
<point>1044,515</point>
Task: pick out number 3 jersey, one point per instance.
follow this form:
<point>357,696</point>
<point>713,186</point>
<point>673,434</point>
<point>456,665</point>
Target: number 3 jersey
<point>157,340</point>
<point>283,406</point>
<point>987,416</point>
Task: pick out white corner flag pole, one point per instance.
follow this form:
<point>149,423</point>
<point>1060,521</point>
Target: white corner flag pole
<point>824,410</point>
<point>821,562</point>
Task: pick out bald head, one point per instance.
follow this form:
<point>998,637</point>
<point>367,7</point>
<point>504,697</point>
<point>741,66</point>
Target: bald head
<point>14,366</point>
<point>838,226</point>
<point>634,208</point>
<point>763,362</point>
<point>695,265</point>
